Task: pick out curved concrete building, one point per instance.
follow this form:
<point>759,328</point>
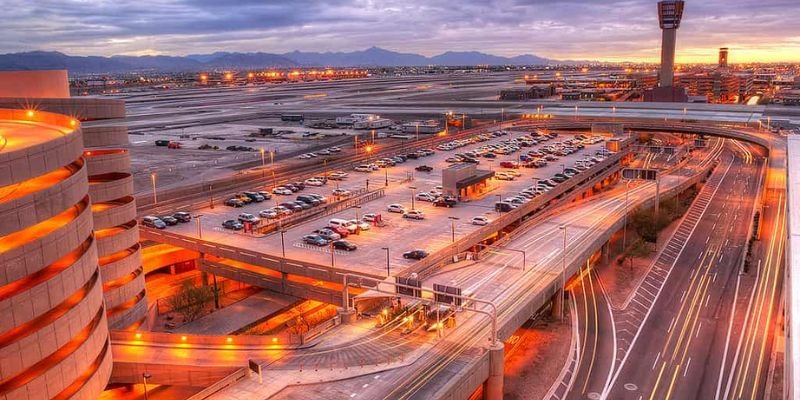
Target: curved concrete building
<point>54,341</point>
<point>110,189</point>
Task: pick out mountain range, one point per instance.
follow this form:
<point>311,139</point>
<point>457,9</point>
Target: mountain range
<point>372,57</point>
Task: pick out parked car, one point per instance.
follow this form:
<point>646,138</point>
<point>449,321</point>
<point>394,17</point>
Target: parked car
<point>369,217</point>
<point>344,245</point>
<point>182,216</point>
<point>309,199</point>
<point>415,254</point>
<point>322,199</point>
<point>292,187</point>
<point>313,182</point>
<point>445,201</point>
<point>360,224</point>
<point>236,203</point>
<point>254,196</point>
<point>153,222</point>
<point>247,217</point>
<point>232,224</point>
<point>343,231</point>
<point>281,190</point>
<point>414,214</point>
<point>265,195</point>
<point>303,205</point>
<point>282,210</point>
<point>169,220</point>
<point>424,168</point>
<point>244,199</point>
<point>363,168</point>
<point>502,206</point>
<point>328,234</point>
<point>425,196</point>
<point>396,208</point>
<point>480,220</point>
<point>316,240</point>
<point>268,214</point>
<point>342,193</point>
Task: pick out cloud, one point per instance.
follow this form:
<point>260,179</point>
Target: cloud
<point>575,29</point>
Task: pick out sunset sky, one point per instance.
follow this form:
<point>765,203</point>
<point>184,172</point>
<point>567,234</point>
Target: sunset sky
<point>603,30</point>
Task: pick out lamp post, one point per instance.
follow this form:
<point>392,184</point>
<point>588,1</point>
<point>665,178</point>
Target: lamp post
<point>210,196</point>
<point>145,377</point>
<point>153,181</point>
<point>453,228</point>
<point>199,225</point>
<point>417,131</point>
<point>283,245</point>
<point>333,255</point>
<point>563,271</point>
<point>272,166</point>
<point>388,271</point>
<point>386,174</point>
<point>413,194</point>
<point>357,208</point>
<point>625,223</point>
<point>502,116</point>
<point>263,163</point>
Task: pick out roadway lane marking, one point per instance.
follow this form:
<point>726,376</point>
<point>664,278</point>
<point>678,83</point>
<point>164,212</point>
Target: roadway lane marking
<point>656,361</point>
<point>698,330</point>
<point>688,363</point>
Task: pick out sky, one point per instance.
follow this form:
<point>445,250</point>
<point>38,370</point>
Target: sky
<point>602,30</point>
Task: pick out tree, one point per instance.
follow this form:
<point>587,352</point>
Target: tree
<point>191,301</point>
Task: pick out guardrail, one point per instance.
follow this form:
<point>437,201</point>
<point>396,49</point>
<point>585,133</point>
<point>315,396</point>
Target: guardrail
<point>585,178</point>
<point>218,386</point>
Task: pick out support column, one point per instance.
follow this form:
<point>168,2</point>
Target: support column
<point>494,384</point>
<point>557,304</point>
<point>347,316</point>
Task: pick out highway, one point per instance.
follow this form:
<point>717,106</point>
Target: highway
<point>690,343</point>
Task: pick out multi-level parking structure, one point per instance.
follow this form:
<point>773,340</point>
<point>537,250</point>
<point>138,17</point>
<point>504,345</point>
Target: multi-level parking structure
<point>53,334</point>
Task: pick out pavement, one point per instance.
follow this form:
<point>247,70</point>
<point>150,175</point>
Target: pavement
<point>239,315</point>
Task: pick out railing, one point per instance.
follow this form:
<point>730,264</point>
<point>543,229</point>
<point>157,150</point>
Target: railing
<point>223,383</point>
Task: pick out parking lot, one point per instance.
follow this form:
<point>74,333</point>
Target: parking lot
<point>398,234</point>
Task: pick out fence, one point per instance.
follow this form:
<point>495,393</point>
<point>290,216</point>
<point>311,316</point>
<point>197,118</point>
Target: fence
<point>224,383</point>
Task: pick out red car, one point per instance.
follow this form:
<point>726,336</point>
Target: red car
<point>509,164</point>
<point>340,230</point>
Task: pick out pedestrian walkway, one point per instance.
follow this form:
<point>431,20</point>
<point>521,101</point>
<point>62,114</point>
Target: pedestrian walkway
<point>239,315</point>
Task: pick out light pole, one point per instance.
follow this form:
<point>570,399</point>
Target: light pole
<point>386,173</point>
<point>283,245</point>
<point>453,228</point>
<point>413,194</point>
<point>502,116</point>
<point>199,225</point>
<point>357,208</point>
<point>153,181</point>
<point>211,196</point>
<point>272,166</point>
<point>563,271</point>
<point>333,255</point>
<point>417,131</point>
<point>388,271</point>
<point>145,377</point>
<point>263,163</point>
<point>625,223</point>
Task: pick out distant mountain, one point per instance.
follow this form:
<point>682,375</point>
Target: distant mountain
<point>371,57</point>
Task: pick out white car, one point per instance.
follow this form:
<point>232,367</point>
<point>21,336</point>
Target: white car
<point>361,224</point>
<point>503,176</point>
<point>247,217</point>
<point>425,196</point>
<point>304,156</point>
<point>268,214</point>
<point>480,220</point>
<point>369,217</point>
<point>281,190</point>
<point>414,214</point>
<point>396,208</point>
<point>341,193</point>
<point>324,152</point>
<point>363,168</point>
<point>313,182</point>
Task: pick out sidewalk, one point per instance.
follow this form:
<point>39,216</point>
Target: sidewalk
<point>239,315</point>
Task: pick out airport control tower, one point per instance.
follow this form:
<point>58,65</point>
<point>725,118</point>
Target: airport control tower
<point>669,17</point>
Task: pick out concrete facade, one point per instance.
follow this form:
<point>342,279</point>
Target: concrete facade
<point>53,334</point>
<point>107,165</point>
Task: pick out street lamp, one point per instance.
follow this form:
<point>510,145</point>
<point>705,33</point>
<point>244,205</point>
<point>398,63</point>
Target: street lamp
<point>272,166</point>
<point>386,174</point>
<point>413,194</point>
<point>199,225</point>
<point>283,245</point>
<point>417,131</point>
<point>453,228</point>
<point>145,377</point>
<point>333,255</point>
<point>388,271</point>
<point>563,270</point>
<point>625,226</point>
<point>263,162</point>
<point>153,180</point>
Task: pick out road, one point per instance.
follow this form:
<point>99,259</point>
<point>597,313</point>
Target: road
<point>688,347</point>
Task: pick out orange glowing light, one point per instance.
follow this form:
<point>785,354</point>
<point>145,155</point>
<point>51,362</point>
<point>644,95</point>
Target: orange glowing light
<point>250,75</point>
<point>72,122</point>
<point>229,340</point>
<point>138,335</point>
<point>183,338</point>
<point>274,340</point>
<point>203,77</point>
<point>30,113</point>
<point>369,149</point>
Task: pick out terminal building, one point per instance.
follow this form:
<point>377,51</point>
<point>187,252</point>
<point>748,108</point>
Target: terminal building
<point>70,267</point>
<point>465,180</point>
